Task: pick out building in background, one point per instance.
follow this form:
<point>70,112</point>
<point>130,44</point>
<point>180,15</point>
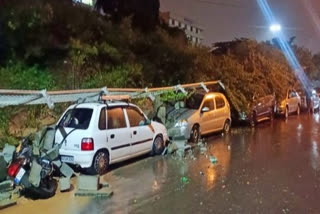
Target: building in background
<point>87,2</point>
<point>192,29</point>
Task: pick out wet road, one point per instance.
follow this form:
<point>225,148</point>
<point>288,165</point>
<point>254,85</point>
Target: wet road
<point>274,168</point>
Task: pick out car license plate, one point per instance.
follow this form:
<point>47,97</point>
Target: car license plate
<point>19,176</point>
<point>67,159</point>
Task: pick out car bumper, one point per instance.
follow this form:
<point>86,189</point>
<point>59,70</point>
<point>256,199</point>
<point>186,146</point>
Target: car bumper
<point>281,110</point>
<point>81,158</point>
<point>176,133</point>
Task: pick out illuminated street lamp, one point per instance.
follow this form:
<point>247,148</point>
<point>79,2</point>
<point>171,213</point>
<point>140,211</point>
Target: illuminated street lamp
<point>275,28</point>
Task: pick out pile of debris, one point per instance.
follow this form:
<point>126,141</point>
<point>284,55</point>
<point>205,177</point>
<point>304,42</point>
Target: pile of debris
<point>34,168</point>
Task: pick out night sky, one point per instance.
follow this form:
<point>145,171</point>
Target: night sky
<point>224,20</point>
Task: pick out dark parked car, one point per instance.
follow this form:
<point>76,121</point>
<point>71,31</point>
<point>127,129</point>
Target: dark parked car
<point>263,108</point>
<point>304,100</point>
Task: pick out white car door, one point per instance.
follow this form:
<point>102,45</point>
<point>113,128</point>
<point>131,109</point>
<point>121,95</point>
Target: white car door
<point>141,133</point>
<point>118,134</point>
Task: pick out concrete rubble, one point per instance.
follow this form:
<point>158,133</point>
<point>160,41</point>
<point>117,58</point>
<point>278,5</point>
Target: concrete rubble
<point>43,147</point>
<point>90,186</point>
<point>8,151</point>
<point>188,152</point>
<point>65,184</point>
<point>8,195</point>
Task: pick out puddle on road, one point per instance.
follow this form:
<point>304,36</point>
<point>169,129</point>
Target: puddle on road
<point>271,165</point>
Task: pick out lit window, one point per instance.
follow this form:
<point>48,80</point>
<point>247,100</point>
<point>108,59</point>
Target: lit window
<point>89,2</point>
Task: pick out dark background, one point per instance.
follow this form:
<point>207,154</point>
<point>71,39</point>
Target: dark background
<point>226,19</point>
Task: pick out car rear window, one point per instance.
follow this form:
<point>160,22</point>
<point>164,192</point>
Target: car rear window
<point>78,118</point>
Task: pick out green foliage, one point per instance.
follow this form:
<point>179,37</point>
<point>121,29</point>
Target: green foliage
<point>173,96</point>
<point>7,139</point>
<point>20,76</point>
<point>79,56</point>
<point>305,58</point>
<point>4,119</point>
<point>248,68</point>
<point>5,115</point>
<point>125,76</point>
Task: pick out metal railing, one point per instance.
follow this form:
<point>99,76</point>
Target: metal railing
<point>32,97</point>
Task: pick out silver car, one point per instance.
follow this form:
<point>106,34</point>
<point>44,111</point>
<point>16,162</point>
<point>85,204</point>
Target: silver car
<point>200,114</point>
<point>290,104</point>
<point>315,101</point>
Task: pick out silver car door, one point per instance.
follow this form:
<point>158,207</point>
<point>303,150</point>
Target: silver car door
<point>220,113</point>
<point>207,115</point>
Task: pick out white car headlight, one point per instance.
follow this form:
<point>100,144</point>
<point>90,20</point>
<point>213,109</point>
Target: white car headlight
<point>181,123</point>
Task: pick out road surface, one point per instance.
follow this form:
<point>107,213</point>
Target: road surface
<point>274,168</point>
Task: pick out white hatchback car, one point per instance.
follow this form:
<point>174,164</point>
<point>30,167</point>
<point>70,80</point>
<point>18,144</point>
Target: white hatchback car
<point>94,135</point>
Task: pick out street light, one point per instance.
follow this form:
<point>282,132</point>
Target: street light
<point>275,28</point>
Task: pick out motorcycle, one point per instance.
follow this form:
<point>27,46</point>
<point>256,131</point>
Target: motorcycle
<point>22,168</point>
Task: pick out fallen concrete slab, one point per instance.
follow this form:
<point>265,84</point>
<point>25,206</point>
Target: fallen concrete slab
<point>8,151</point>
<point>7,203</point>
<point>87,182</point>
<point>65,184</point>
<point>9,198</point>
<point>90,186</point>
<point>66,170</point>
<point>6,186</point>
<point>104,192</point>
<point>35,177</point>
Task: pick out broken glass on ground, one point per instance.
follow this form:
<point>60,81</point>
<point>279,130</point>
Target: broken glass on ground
<point>213,159</point>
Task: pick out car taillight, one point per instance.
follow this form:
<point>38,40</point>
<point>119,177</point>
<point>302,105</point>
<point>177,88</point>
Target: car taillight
<point>87,144</point>
<point>14,169</point>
